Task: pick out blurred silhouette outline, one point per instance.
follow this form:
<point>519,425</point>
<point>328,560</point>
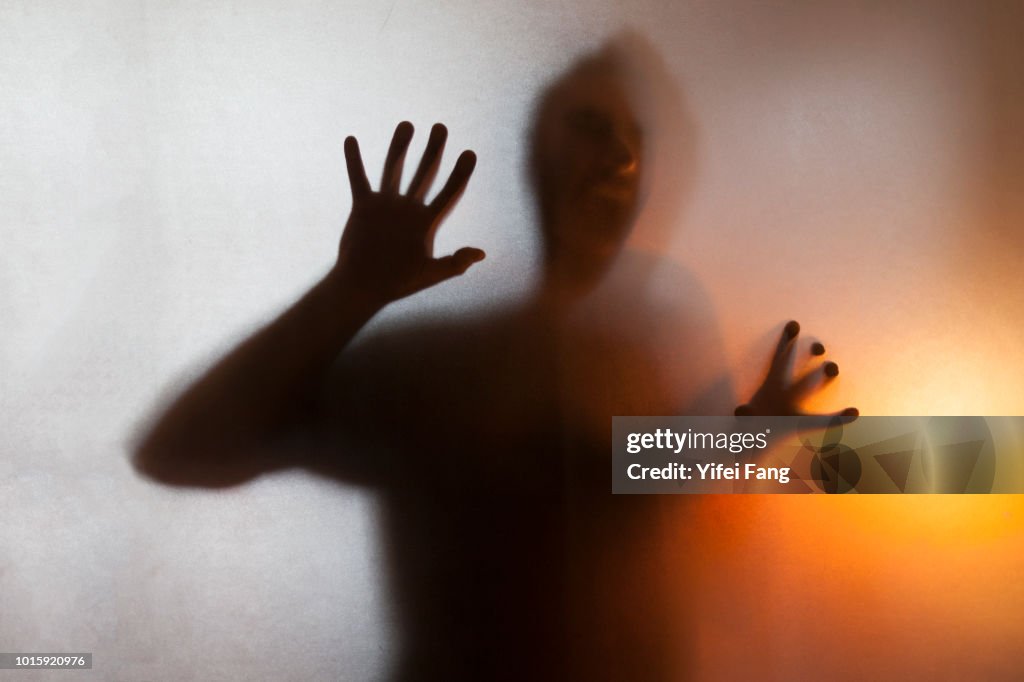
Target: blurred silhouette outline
<point>488,436</point>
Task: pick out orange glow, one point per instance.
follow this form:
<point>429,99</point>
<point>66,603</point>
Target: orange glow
<point>879,579</point>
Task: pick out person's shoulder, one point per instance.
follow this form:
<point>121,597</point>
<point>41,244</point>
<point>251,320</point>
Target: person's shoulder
<point>426,329</point>
<point>654,294</point>
<point>411,346</point>
<point>410,377</point>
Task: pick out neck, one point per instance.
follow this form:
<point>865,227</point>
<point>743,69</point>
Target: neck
<point>569,278</point>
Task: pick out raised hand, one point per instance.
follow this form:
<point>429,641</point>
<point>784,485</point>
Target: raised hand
<point>387,248</point>
<point>780,395</point>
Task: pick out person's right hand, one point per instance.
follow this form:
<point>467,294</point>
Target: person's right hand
<point>387,248</point>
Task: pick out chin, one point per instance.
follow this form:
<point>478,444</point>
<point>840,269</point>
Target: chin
<point>609,219</point>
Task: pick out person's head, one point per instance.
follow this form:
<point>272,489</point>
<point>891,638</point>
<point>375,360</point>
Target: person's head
<point>587,162</point>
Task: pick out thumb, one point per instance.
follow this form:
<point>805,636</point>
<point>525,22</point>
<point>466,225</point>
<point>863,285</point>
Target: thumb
<point>446,267</point>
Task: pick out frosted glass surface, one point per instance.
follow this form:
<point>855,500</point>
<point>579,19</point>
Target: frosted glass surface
<point>171,176</point>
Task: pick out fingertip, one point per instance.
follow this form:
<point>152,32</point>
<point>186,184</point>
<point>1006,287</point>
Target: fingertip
<point>468,159</point>
<point>792,329</point>
<point>743,411</point>
<point>851,412</point>
<point>817,348</point>
<point>831,370</point>
<point>439,129</point>
<point>402,136</point>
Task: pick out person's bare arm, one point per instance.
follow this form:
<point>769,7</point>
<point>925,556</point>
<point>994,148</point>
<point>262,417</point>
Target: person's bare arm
<point>229,425</point>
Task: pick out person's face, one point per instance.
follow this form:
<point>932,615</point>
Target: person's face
<point>591,163</point>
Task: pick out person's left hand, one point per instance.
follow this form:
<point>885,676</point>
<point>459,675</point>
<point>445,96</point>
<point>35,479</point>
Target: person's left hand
<point>780,395</point>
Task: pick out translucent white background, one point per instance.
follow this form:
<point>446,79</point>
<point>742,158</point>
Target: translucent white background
<point>171,176</point>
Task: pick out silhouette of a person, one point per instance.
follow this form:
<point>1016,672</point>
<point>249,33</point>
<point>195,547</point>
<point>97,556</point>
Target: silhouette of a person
<point>488,437</point>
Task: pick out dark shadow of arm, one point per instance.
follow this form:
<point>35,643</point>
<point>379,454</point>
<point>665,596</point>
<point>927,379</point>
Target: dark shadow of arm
<point>260,402</point>
<point>261,407</point>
